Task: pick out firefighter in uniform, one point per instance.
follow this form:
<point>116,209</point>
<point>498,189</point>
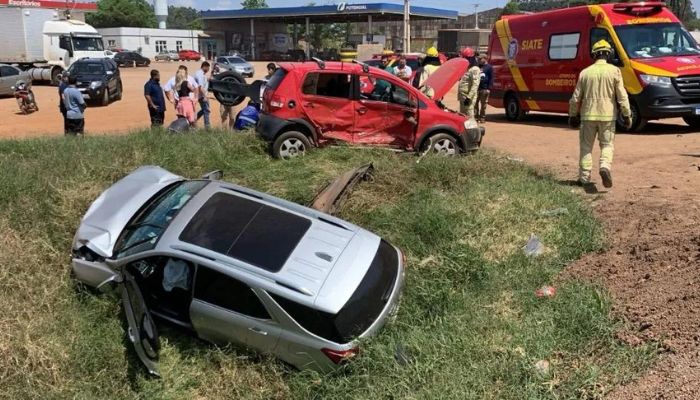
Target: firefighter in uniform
<point>431,63</point>
<point>468,89</point>
<point>593,106</point>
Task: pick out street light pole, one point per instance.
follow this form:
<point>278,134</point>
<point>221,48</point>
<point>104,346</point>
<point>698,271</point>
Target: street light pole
<point>476,16</point>
<point>406,26</point>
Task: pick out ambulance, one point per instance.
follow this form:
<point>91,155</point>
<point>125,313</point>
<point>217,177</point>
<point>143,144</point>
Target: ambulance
<point>537,58</point>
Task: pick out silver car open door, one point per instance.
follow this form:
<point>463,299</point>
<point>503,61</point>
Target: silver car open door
<point>142,329</point>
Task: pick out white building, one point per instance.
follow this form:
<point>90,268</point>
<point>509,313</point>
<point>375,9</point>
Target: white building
<point>150,41</point>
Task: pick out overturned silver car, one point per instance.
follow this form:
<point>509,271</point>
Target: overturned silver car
<point>235,265</point>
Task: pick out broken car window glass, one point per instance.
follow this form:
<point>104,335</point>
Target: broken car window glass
<point>327,84</point>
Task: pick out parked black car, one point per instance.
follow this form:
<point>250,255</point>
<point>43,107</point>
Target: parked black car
<point>131,59</point>
<point>98,79</point>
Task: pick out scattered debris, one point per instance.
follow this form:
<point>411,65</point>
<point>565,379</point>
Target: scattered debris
<point>546,291</point>
<point>427,260</point>
<point>533,247</point>
<point>515,159</point>
<point>555,212</point>
<point>403,355</point>
<point>329,199</point>
<point>542,367</point>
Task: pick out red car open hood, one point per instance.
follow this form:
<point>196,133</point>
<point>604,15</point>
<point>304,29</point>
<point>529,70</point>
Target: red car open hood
<point>445,77</point>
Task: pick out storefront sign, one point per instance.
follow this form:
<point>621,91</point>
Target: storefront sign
<point>69,4</point>
<point>343,7</point>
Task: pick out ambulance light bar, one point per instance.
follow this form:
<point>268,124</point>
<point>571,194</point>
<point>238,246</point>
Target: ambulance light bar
<point>641,8</point>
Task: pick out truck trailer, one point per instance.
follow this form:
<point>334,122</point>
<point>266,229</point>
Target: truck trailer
<point>41,43</point>
<point>452,41</point>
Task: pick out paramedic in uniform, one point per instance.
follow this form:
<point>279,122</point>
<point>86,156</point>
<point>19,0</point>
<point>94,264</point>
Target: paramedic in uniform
<point>599,92</point>
<point>469,85</point>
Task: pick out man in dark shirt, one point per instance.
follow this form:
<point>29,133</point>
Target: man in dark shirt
<point>61,107</point>
<point>484,89</point>
<point>155,99</point>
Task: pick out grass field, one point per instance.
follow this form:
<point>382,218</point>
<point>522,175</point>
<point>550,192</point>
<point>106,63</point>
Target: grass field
<point>469,324</point>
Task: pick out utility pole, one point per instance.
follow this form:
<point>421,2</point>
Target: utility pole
<point>476,16</point>
<point>406,26</point>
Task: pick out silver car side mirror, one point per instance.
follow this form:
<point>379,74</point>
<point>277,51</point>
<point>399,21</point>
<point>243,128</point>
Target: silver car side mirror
<point>213,175</point>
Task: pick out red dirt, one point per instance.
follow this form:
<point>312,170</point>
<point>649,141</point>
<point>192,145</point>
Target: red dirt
<point>651,215</point>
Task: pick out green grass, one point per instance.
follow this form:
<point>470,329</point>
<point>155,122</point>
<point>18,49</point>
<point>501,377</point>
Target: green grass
<point>469,326</point>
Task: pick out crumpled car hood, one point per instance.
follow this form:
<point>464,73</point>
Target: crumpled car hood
<point>109,213</point>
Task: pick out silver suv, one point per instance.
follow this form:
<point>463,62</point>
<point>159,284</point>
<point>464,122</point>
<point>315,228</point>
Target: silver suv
<point>235,265</point>
<point>234,63</point>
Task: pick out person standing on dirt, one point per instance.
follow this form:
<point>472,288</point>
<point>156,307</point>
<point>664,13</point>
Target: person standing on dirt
<point>468,89</point>
<point>271,69</point>
<point>170,91</point>
<point>75,107</point>
<point>593,106</point>
<point>62,107</point>
<point>205,110</point>
<point>402,70</point>
<point>155,99</point>
<point>482,98</point>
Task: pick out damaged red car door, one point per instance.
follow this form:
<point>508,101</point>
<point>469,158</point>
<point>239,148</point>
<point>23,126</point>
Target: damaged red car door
<point>326,101</point>
<point>385,113</point>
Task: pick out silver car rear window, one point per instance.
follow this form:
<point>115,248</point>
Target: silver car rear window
<point>247,230</point>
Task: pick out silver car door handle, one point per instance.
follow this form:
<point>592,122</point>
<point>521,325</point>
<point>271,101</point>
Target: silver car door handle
<point>258,331</point>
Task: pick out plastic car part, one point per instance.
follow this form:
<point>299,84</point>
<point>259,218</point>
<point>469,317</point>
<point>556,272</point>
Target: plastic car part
<point>331,197</point>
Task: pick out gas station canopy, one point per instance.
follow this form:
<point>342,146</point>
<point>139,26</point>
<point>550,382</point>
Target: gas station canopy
<point>341,12</point>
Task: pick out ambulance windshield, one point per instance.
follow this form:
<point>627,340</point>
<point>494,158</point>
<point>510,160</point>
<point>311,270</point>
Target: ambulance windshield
<point>656,40</point>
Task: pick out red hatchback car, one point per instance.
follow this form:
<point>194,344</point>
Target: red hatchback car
<point>316,103</point>
<point>189,55</point>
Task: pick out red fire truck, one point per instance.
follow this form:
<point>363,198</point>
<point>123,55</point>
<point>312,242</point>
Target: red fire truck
<point>537,59</point>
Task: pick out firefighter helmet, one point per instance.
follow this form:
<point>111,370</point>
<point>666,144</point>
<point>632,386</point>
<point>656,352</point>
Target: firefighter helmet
<point>432,52</point>
<point>468,52</point>
<point>602,45</point>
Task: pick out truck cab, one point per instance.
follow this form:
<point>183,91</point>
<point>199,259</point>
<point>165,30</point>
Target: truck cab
<point>537,60</point>
<point>68,40</point>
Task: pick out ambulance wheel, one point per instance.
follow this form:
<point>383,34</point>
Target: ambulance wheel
<point>638,123</point>
<point>693,122</point>
<point>514,112</point>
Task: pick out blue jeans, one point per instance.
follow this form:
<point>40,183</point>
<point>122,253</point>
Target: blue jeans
<point>204,112</point>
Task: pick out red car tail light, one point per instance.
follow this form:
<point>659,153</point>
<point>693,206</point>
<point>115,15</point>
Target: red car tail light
<point>340,356</point>
<point>276,102</point>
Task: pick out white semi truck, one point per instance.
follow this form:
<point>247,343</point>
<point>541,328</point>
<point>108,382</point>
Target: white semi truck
<point>44,44</point>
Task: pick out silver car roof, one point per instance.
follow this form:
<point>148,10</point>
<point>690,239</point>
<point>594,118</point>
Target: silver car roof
<point>322,271</point>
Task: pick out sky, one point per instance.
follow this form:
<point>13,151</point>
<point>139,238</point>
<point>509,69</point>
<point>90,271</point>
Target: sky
<point>461,6</point>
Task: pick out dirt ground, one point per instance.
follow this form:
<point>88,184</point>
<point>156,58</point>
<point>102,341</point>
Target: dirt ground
<point>652,216</point>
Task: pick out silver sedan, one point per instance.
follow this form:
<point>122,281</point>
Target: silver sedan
<point>9,75</point>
